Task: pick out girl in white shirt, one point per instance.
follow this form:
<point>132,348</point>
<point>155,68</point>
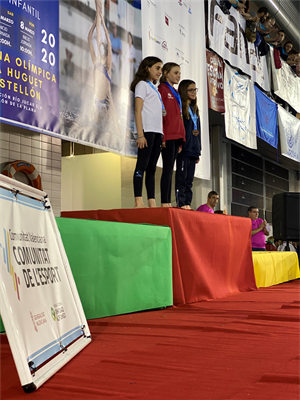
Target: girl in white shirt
<point>148,127</point>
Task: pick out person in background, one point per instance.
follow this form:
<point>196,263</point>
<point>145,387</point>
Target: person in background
<point>296,245</point>
<point>259,230</point>
<point>277,243</point>
<point>131,57</point>
<point>225,5</point>
<point>276,42</point>
<point>253,21</point>
<point>148,127</point>
<point>270,246</point>
<point>212,201</point>
<point>191,149</point>
<point>284,51</point>
<point>286,246</point>
<point>174,133</point>
<point>116,46</point>
<point>293,59</point>
<point>267,26</point>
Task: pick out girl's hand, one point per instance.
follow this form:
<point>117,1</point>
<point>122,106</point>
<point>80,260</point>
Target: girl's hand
<point>142,142</point>
<point>179,149</point>
<point>197,160</point>
<point>163,145</point>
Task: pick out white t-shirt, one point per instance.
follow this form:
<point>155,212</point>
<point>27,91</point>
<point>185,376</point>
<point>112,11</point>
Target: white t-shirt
<point>152,110</point>
<point>282,247</point>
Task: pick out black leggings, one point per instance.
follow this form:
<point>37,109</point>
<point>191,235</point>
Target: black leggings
<point>146,161</point>
<point>169,154</point>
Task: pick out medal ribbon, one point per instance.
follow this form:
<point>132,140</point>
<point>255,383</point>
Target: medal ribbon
<point>194,117</point>
<point>153,87</point>
<point>176,95</point>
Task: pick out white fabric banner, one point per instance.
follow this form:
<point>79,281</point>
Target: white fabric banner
<point>285,84</point>
<point>40,306</point>
<point>289,129</point>
<point>174,31</point>
<point>227,38</point>
<point>240,113</point>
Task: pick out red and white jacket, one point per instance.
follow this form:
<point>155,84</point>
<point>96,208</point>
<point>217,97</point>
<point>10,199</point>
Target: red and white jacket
<point>173,126</point>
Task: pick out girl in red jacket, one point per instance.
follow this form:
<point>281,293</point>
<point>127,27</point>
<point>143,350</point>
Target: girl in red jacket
<point>174,133</point>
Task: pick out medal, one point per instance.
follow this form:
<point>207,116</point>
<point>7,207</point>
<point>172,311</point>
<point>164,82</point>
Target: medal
<point>181,116</point>
<point>195,121</point>
<point>177,97</point>
<point>164,112</point>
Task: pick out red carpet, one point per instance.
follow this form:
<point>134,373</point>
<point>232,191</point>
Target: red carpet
<point>245,346</point>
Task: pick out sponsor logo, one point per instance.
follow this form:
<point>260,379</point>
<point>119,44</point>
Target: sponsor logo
<point>7,260</point>
<point>38,319</point>
<point>170,96</point>
<point>164,45</point>
<point>33,322</point>
<point>158,40</point>
<point>181,56</point>
<point>53,314</point>
<point>151,3</point>
<point>155,38</point>
<point>182,32</point>
<point>168,19</point>
<point>186,5</point>
<point>58,312</point>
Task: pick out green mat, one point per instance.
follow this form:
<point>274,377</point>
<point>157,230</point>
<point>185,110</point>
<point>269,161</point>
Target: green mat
<point>118,268</point>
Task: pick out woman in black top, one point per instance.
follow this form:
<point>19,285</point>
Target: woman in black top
<point>191,149</point>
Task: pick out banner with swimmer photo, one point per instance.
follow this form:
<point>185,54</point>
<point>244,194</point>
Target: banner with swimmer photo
<point>29,64</point>
<point>66,67</point>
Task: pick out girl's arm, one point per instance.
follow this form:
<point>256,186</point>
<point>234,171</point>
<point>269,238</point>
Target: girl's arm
<point>141,140</point>
<point>237,3</point>
<point>163,97</point>
<point>101,21</point>
<point>90,41</point>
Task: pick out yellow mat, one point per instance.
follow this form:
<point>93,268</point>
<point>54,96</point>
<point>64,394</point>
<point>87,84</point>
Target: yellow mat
<point>273,267</point>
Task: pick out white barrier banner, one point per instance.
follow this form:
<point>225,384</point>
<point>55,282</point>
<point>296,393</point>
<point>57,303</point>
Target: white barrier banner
<point>174,31</point>
<point>289,129</point>
<point>40,307</point>
<point>227,38</point>
<point>285,84</point>
<point>240,116</point>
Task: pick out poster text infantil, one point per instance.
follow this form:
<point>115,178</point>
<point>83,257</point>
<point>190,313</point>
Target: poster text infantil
<point>29,63</point>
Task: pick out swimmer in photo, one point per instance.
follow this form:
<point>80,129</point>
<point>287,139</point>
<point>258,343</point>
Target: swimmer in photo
<point>103,106</point>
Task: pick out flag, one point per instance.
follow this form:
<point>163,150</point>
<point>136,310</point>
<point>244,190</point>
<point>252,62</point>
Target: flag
<point>289,129</point>
<point>240,119</point>
<point>266,118</point>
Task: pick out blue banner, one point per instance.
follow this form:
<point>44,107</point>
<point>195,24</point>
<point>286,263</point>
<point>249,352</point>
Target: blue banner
<point>266,118</point>
<point>29,63</point>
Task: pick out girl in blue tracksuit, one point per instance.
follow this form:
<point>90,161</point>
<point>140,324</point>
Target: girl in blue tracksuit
<point>191,149</point>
